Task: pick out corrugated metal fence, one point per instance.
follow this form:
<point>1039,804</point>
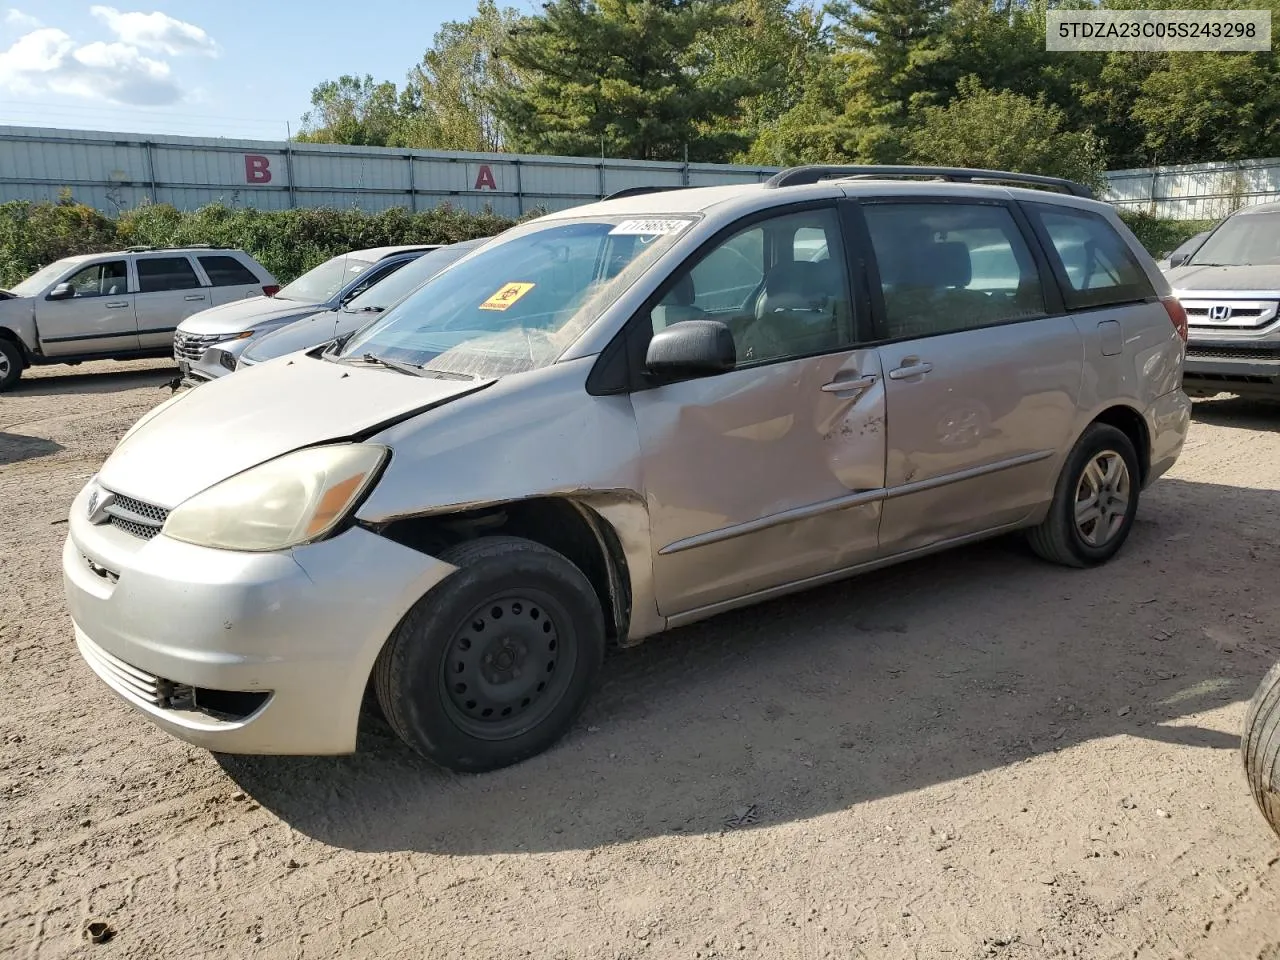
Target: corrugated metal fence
<point>119,171</point>
<point>1197,191</point>
<point>113,171</point>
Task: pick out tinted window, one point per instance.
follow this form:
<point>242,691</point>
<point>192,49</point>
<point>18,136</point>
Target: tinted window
<point>780,285</point>
<point>951,266</point>
<point>157,274</point>
<point>227,272</point>
<point>415,273</point>
<point>110,279</point>
<point>1098,265</point>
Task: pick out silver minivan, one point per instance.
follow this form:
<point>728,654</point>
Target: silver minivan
<point>612,421</point>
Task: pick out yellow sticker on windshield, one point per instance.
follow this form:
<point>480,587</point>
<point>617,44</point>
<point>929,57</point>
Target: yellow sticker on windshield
<point>508,294</point>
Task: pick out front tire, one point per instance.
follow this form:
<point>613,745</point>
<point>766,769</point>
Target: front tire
<point>1260,747</point>
<point>493,665</point>
<point>11,363</point>
<point>1094,502</point>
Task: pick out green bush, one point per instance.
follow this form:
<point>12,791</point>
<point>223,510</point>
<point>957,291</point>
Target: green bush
<point>290,242</point>
<point>1162,236</point>
<point>286,242</point>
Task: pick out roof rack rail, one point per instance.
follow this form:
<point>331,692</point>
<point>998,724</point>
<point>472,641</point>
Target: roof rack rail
<point>147,248</point>
<point>814,173</point>
<point>641,191</point>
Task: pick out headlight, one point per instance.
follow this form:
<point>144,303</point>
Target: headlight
<point>293,499</point>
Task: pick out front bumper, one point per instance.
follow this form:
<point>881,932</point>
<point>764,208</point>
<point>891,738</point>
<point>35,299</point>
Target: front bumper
<point>1232,367</point>
<point>296,630</point>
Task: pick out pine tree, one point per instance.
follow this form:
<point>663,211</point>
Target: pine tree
<point>626,77</point>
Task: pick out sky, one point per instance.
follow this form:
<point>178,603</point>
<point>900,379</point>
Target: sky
<point>229,68</point>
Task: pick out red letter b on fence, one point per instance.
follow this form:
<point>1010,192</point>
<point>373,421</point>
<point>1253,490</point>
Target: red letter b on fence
<point>257,169</point>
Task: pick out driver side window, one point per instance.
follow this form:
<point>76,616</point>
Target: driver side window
<point>780,285</point>
<point>110,279</point>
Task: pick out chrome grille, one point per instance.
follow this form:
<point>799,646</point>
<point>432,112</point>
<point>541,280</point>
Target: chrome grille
<point>143,520</point>
<point>191,346</point>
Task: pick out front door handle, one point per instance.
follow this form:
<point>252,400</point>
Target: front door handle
<point>909,370</point>
<point>194,296</point>
<point>117,304</point>
<point>845,386</point>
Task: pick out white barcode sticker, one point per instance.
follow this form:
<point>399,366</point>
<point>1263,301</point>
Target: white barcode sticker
<point>649,228</point>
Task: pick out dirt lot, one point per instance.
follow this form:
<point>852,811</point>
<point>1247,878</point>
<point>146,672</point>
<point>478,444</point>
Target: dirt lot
<point>976,755</point>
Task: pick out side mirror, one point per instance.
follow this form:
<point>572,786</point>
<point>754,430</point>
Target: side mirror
<point>1178,259</point>
<point>693,348</point>
<point>63,291</point>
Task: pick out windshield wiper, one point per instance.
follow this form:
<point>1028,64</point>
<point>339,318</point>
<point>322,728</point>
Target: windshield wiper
<point>412,369</point>
<point>364,310</point>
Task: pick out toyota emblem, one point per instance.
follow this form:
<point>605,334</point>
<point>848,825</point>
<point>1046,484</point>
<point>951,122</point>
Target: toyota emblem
<point>1220,311</point>
<point>97,506</point>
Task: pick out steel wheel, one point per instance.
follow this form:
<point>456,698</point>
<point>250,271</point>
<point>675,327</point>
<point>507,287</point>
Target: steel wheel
<point>507,666</point>
<point>6,366</point>
<point>1102,498</point>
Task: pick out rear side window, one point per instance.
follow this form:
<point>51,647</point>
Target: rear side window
<point>1097,266</point>
<point>946,267</point>
<point>227,272</point>
<point>157,274</point>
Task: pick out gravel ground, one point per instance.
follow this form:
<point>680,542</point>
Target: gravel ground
<point>974,755</point>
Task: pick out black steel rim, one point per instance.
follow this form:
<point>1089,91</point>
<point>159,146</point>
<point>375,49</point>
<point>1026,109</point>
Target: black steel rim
<point>508,664</point>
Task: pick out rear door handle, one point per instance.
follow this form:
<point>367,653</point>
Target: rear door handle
<point>117,304</point>
<point>845,386</point>
<point>194,296</point>
<point>909,370</point>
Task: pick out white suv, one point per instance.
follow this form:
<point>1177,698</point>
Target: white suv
<point>118,306</point>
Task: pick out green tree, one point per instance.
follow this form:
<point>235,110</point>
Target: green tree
<point>625,76</point>
<point>775,47</point>
<point>354,110</point>
<point>896,71</point>
<point>447,103</point>
<point>997,130</point>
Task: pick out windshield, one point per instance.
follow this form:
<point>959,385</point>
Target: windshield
<point>36,283</point>
<point>517,304</point>
<point>320,284</point>
<point>413,274</point>
<point>1242,241</point>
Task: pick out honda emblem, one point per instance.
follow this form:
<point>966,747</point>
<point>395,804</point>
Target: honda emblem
<point>1220,312</point>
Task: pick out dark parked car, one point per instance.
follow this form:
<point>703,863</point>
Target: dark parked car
<point>338,322</point>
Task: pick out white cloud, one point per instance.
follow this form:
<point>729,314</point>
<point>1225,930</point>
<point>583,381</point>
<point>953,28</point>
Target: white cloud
<point>23,21</point>
<point>157,32</point>
<point>48,60</point>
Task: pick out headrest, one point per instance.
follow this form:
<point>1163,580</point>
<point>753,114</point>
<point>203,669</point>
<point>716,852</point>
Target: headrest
<point>683,293</point>
<point>950,265</point>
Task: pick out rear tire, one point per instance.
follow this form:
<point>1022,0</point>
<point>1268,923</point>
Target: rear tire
<point>1094,502</point>
<point>493,665</point>
<point>11,363</point>
<point>1260,747</point>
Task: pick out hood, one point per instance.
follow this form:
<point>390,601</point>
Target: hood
<point>300,335</point>
<point>233,423</point>
<point>1258,279</point>
<point>247,314</point>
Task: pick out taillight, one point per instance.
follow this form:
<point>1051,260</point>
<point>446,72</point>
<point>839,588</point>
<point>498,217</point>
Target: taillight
<point>1177,315</point>
<point>271,289</point>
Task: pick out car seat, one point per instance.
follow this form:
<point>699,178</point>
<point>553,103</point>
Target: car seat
<point>797,312</point>
<point>678,305</point>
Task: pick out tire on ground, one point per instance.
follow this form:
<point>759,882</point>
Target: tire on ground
<point>415,677</point>
<point>1260,747</point>
<point>1057,538</point>
<point>11,364</point>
